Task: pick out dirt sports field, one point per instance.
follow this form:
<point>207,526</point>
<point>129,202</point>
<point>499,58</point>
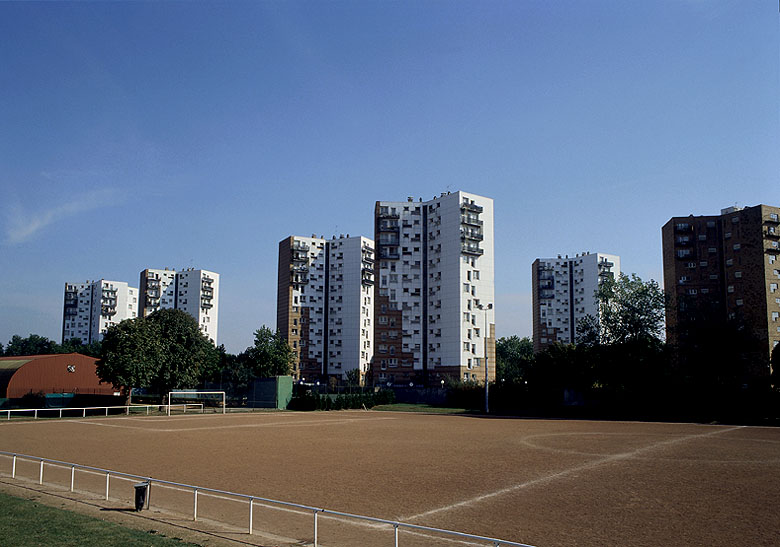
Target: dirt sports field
<point>541,482</point>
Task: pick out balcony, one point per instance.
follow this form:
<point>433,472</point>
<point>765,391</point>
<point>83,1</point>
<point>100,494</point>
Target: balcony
<point>470,220</point>
<point>683,227</point>
<point>771,232</point>
<point>546,284</point>
<point>152,284</point>
<point>108,311</point>
<point>472,235</point>
<point>368,259</point>
<point>389,215</point>
<point>471,250</point>
<point>471,207</point>
<point>206,305</point>
<point>772,219</point>
<point>300,246</point>
<point>300,257</point>
<point>388,253</point>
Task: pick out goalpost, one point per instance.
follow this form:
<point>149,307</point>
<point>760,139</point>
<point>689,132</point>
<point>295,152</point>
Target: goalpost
<point>199,398</point>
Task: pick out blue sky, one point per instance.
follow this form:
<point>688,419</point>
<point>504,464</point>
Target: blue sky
<point>200,134</point>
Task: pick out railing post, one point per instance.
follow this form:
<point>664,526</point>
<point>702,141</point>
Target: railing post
<point>13,468</point>
<point>60,413</point>
<point>72,476</point>
<point>395,531</point>
<point>108,476</point>
<point>127,410</point>
<point>149,494</point>
<point>83,412</point>
<point>195,508</point>
<point>251,511</point>
<point>40,474</point>
<point>106,411</point>
<point>36,413</point>
<point>315,528</point>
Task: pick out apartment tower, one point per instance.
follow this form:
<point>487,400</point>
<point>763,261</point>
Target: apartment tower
<point>325,305</point>
<point>564,292</point>
<point>434,305</point>
<point>193,291</point>
<point>724,267</point>
<point>90,308</point>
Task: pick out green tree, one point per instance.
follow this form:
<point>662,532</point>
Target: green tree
<point>514,357</point>
<point>32,345</point>
<point>629,309</point>
<point>75,345</point>
<point>270,355</point>
<point>162,352</point>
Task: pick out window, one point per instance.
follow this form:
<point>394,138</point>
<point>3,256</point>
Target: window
<point>730,289</point>
<point>729,262</point>
<point>739,302</point>
<point>737,246</point>
<point>737,274</point>
<point>465,287</point>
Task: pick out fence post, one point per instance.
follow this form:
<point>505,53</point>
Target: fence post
<point>13,468</point>
<point>108,476</point>
<point>149,494</point>
<point>72,476</point>
<point>36,413</point>
<point>251,511</point>
<point>315,528</point>
<point>84,413</point>
<point>60,413</point>
<point>395,532</point>
<point>127,410</point>
<point>195,508</point>
<point>40,475</point>
<point>106,411</point>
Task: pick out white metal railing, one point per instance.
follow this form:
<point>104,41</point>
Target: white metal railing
<point>198,490</point>
<point>36,413</point>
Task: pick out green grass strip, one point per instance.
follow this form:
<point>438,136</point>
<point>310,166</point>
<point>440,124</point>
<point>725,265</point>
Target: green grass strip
<point>26,523</point>
<point>407,407</point>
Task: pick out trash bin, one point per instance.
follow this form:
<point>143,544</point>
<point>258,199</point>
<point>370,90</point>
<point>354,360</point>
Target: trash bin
<point>140,495</point>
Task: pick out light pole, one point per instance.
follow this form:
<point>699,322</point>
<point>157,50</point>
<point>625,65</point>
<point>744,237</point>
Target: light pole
<point>485,308</point>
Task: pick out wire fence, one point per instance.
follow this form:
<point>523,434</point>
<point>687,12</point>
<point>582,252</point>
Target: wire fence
<point>96,475</point>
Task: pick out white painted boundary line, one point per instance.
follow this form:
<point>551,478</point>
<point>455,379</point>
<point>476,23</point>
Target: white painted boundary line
<point>566,472</point>
<point>197,490</point>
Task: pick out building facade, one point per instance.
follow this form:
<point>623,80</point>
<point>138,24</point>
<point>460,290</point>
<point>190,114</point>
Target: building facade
<point>724,266</point>
<point>435,292</point>
<point>325,299</point>
<point>90,308</point>
<point>193,291</point>
<point>564,292</point>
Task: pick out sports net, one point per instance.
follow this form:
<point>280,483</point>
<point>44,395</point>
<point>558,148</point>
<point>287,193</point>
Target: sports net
<point>181,402</point>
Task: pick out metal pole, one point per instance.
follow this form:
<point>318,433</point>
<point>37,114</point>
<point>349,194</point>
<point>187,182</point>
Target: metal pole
<point>13,468</point>
<point>36,413</point>
<point>148,494</point>
<point>195,508</point>
<point>251,511</point>
<point>60,413</point>
<point>395,529</point>
<point>487,379</point>
<point>40,475</point>
<point>315,528</point>
<point>72,476</point>
<point>108,477</point>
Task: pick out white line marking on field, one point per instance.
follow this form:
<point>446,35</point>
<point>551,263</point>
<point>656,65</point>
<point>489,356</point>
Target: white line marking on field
<point>307,423</point>
<point>564,473</point>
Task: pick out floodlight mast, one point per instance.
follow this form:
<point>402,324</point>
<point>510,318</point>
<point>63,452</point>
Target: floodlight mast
<point>485,334</point>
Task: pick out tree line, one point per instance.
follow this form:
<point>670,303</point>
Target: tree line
<point>621,366</point>
<point>167,351</point>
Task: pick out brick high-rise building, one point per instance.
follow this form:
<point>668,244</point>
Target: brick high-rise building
<point>564,291</point>
<point>724,267</point>
<point>435,294</point>
<point>325,302</point>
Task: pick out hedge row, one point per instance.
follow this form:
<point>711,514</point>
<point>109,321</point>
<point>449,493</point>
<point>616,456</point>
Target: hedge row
<point>314,401</point>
